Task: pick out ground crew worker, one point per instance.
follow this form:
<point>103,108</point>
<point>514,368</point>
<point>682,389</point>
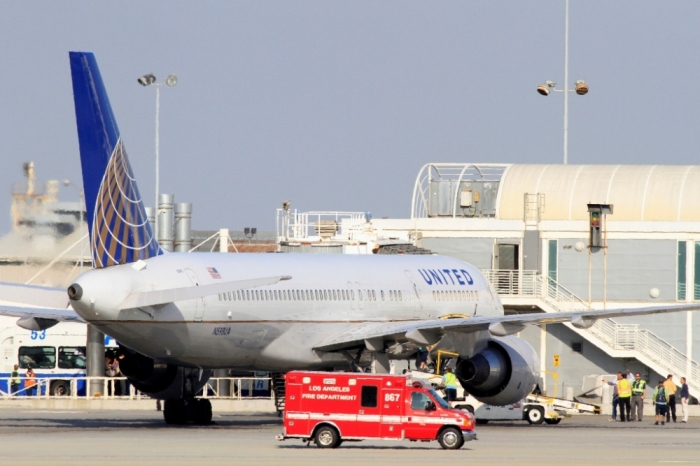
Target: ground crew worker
<point>660,400</point>
<point>449,380</point>
<point>639,392</point>
<point>624,393</point>
<point>30,382</point>
<point>14,380</point>
<point>671,387</point>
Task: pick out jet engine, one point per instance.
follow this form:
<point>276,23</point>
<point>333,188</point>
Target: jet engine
<point>504,372</point>
<point>160,380</point>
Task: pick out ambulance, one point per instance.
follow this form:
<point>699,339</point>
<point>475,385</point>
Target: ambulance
<point>330,407</point>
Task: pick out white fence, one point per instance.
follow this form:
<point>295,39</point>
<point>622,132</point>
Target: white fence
<point>229,388</point>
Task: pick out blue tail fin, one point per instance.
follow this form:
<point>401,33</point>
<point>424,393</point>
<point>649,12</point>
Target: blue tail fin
<point>117,221</point>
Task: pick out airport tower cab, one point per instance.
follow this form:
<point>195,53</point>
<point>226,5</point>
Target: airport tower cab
<point>332,407</point>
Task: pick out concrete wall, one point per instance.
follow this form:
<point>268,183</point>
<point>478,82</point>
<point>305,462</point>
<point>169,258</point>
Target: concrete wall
<point>634,268</point>
<point>476,251</point>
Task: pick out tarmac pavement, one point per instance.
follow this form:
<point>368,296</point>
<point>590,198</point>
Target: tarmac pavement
<point>81,437</point>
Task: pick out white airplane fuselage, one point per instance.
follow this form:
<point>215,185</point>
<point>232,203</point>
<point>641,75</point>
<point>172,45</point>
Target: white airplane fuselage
<point>277,326</point>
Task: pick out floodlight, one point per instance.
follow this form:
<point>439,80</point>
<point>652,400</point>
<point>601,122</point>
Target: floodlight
<point>581,87</point>
<point>147,79</point>
<point>171,80</point>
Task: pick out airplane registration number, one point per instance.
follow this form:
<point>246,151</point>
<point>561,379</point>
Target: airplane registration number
<point>221,331</point>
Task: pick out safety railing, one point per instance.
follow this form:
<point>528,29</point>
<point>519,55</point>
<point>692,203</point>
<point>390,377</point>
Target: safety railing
<point>239,388</point>
<point>231,388</point>
<point>527,283</point>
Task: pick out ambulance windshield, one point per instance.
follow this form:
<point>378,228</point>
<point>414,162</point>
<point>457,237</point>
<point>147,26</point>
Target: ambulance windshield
<point>439,400</point>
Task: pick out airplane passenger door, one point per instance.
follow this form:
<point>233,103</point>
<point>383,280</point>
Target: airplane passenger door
<point>417,304</point>
<point>199,302</point>
<point>360,296</point>
<point>352,298</point>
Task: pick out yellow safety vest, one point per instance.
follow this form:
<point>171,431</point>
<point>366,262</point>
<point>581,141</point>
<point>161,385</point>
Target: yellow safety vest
<point>450,380</point>
<point>638,387</point>
<point>14,378</point>
<point>623,388</point>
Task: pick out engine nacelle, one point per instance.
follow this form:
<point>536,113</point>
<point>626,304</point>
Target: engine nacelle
<point>159,380</point>
<point>503,373</point>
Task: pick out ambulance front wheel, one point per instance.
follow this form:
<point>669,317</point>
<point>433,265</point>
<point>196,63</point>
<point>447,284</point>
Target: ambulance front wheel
<point>327,437</point>
<point>451,439</point>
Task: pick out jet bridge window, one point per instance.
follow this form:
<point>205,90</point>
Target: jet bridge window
<point>39,357</point>
<point>369,396</point>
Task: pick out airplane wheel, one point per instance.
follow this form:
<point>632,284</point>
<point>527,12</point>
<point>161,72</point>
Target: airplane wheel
<point>327,437</point>
<point>202,412</point>
<point>535,415</point>
<point>174,412</point>
<point>59,388</point>
<point>451,439</point>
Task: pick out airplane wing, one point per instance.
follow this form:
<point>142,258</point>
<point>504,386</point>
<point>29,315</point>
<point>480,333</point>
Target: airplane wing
<point>37,307</point>
<point>428,332</point>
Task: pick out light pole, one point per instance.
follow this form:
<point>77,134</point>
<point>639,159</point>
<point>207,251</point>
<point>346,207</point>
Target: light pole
<point>580,86</point>
<point>81,195</point>
<point>150,80</point>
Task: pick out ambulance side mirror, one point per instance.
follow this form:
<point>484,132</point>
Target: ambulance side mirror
<point>430,406</point>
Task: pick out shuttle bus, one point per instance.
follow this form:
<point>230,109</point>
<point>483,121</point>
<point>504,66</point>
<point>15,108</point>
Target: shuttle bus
<point>56,354</point>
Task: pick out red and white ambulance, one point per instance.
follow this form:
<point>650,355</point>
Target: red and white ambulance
<point>329,407</point>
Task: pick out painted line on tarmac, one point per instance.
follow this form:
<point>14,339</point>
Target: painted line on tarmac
<point>57,411</point>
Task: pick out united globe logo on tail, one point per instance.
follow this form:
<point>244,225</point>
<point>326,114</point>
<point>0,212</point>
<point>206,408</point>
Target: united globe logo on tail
<point>119,229</point>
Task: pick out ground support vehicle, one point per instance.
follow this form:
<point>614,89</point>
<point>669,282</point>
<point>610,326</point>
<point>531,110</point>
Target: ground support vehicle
<point>331,407</point>
<point>533,409</point>
<point>57,355</point>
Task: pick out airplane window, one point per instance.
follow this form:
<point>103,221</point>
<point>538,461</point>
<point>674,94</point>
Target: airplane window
<point>359,295</point>
<point>381,293</point>
<point>352,294</point>
<point>335,296</point>
<point>238,295</point>
<point>247,295</point>
<point>374,296</point>
<point>400,296</point>
<point>219,297</point>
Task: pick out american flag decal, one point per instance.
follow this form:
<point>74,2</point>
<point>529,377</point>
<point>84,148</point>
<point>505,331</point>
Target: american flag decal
<point>214,273</point>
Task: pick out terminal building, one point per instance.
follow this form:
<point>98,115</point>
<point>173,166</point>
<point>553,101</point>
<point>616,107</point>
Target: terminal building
<point>554,238</point>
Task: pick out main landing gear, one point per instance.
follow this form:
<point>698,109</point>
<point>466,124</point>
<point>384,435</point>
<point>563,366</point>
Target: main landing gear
<point>184,410</point>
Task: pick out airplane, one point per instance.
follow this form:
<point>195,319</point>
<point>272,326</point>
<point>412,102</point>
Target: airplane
<point>178,316</point>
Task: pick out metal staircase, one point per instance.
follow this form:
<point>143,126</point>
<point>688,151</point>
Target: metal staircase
<point>617,340</point>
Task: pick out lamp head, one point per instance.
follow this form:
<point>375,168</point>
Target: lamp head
<point>171,80</point>
<point>581,87</point>
<point>543,89</point>
<point>147,79</point>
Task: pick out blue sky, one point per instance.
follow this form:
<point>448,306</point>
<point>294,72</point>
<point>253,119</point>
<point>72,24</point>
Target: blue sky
<point>337,105</point>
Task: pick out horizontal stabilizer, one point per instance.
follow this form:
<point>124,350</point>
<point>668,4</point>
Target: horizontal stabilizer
<point>156,297</point>
<point>33,295</point>
<point>59,315</point>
